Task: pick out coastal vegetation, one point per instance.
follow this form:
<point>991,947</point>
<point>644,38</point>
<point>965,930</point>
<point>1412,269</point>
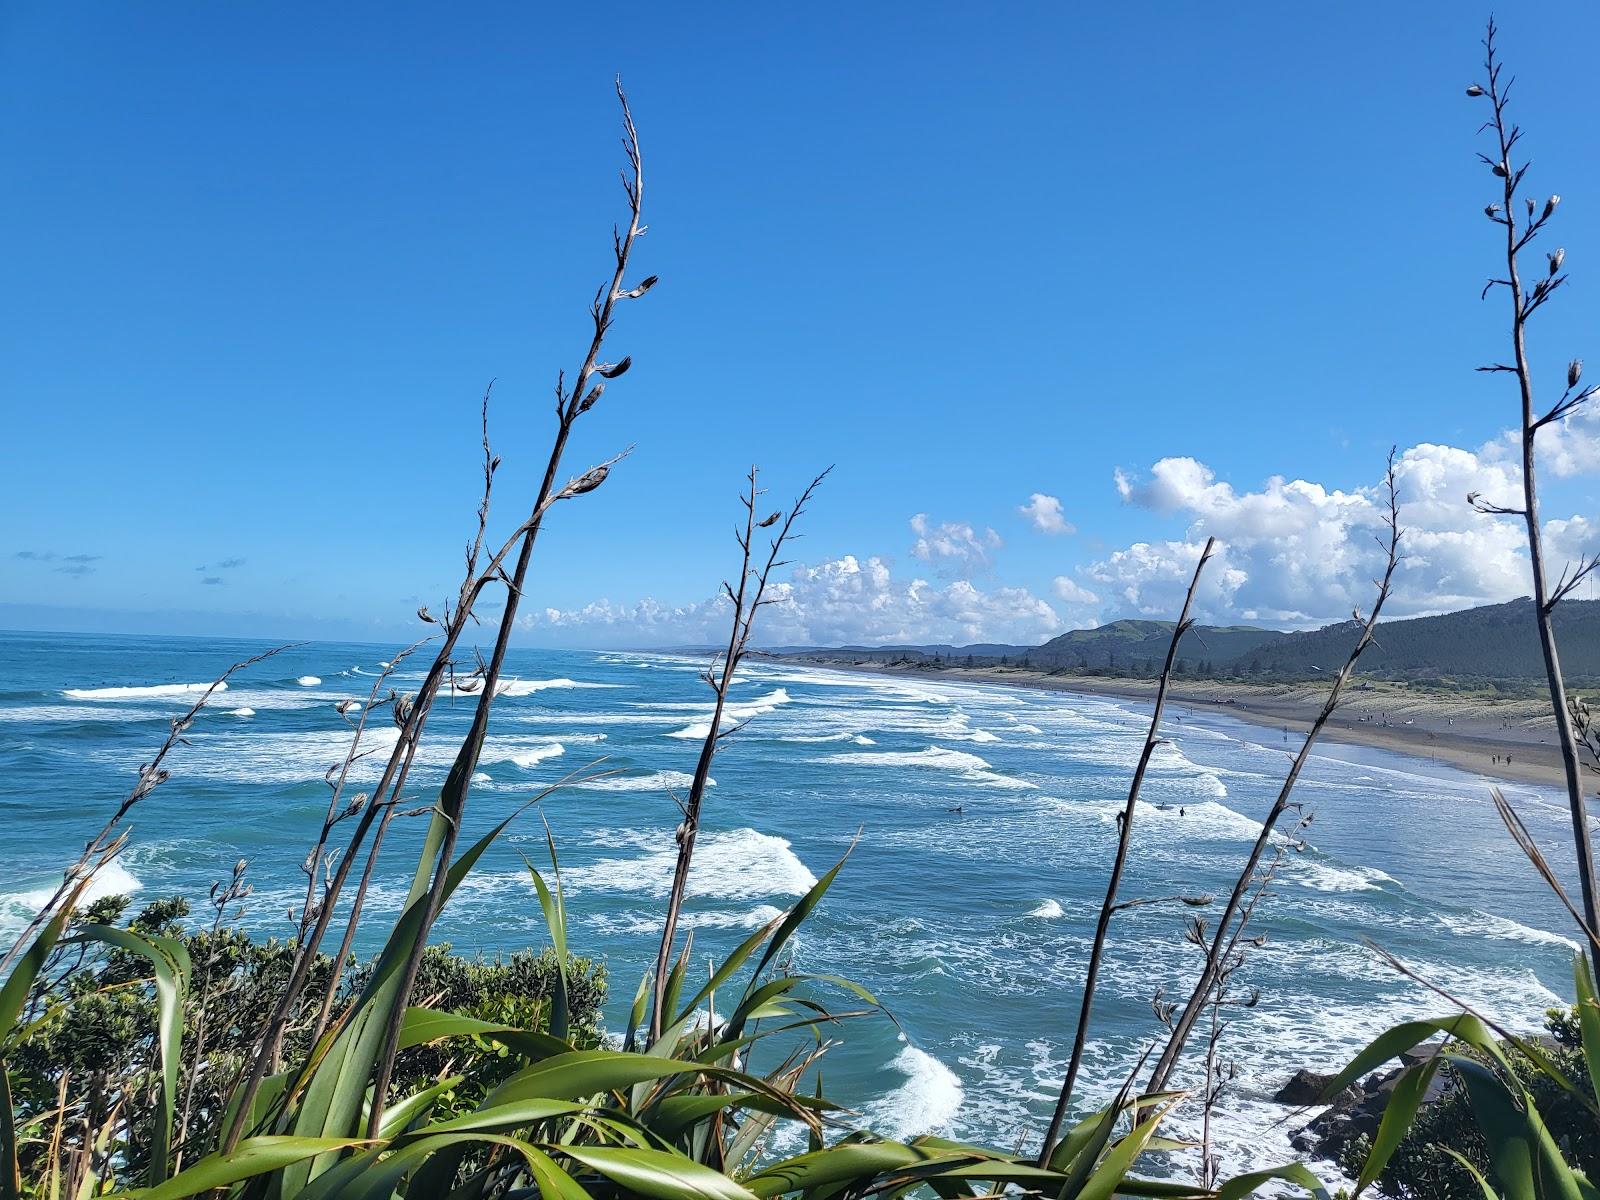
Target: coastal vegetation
<point>150,1058</point>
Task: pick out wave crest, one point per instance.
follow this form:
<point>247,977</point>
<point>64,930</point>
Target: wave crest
<point>157,691</point>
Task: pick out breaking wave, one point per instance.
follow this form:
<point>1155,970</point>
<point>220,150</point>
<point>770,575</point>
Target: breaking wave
<point>158,691</point>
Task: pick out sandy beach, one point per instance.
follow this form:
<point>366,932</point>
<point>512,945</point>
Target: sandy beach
<point>1511,739</point>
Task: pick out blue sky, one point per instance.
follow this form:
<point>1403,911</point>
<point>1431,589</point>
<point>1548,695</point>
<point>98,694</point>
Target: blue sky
<point>262,261</point>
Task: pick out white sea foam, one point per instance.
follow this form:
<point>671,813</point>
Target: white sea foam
<point>649,922</point>
<point>654,782</point>
<point>732,714</point>
<point>967,766</point>
<point>1327,877</point>
<point>857,738</point>
<point>280,757</point>
<point>1482,924</point>
<point>267,699</point>
<point>309,681</point>
<point>1208,818</point>
<point>527,687</point>
<point>754,918</point>
<point>246,711</point>
<point>1017,726</point>
<point>18,908</point>
<point>519,754</point>
<point>739,864</point>
<point>1050,910</point>
<point>78,712</point>
<point>622,839</point>
<point>519,687</point>
<point>597,718</point>
<point>159,691</point>
<point>926,1102</point>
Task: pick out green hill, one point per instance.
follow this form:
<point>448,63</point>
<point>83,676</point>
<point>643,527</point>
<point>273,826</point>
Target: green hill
<point>1120,642</point>
<point>1477,647</point>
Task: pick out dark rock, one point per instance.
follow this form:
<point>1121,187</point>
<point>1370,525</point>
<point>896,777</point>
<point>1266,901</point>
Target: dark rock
<point>1358,1110</point>
<point>1304,1088</point>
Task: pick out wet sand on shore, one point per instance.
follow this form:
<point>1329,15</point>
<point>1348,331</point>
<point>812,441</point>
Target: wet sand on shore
<point>1512,739</point>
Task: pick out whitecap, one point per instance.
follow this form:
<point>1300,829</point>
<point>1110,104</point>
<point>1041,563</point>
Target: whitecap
<point>1327,877</point>
<point>636,923</point>
<point>77,712</point>
<point>653,782</point>
<point>257,757</point>
<point>967,766</point>
<point>1050,910</point>
<point>596,718</point>
<point>699,730</point>
<point>159,691</point>
<point>520,755</point>
<point>1484,924</point>
<point>308,681</point>
<point>18,908</point>
<point>242,712</point>
<point>523,687</point>
<point>926,1102</point>
<point>732,714</point>
<point>737,864</point>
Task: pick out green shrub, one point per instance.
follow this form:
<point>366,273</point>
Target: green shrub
<point>92,1032</point>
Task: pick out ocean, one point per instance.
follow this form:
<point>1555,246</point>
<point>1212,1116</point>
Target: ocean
<point>983,819</point>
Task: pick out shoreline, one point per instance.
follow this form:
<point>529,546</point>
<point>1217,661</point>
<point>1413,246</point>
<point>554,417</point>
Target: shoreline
<point>1511,739</point>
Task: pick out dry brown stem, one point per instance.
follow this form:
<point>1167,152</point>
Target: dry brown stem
<point>1110,905</point>
<point>747,599</point>
<point>1525,302</point>
<point>1216,957</point>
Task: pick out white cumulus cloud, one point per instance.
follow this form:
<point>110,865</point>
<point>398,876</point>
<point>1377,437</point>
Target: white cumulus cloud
<point>1298,553</point>
<point>845,601</point>
<point>955,547</point>
<point>1570,446</point>
<point>1045,514</point>
<point>1073,592</point>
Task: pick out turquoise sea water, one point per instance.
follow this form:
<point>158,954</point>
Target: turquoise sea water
<point>972,925</point>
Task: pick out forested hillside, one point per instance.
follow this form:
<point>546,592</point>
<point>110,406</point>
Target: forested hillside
<point>1497,642</point>
<point>1476,647</point>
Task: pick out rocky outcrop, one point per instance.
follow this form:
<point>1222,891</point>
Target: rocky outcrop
<point>1357,1110</point>
<point>1304,1089</point>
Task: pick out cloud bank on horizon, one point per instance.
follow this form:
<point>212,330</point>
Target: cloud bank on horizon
<point>1292,553</point>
